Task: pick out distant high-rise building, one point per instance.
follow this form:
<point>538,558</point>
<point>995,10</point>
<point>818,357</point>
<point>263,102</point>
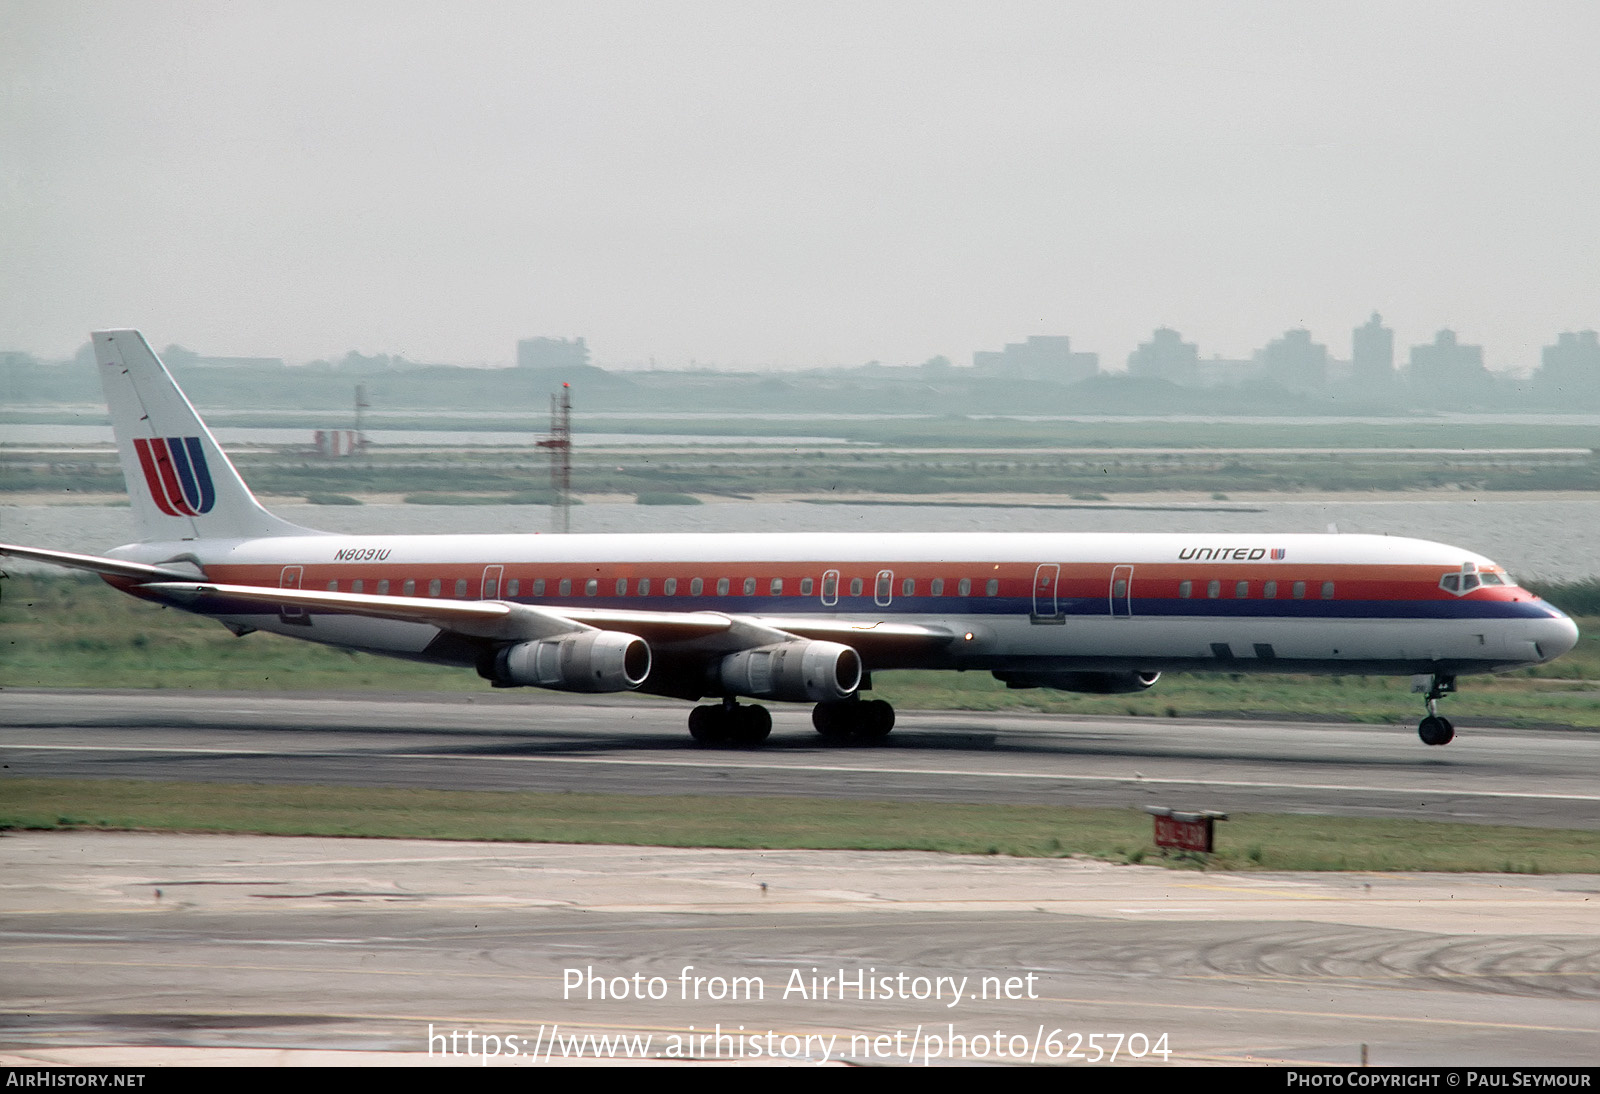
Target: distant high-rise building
<point>1294,360</point>
<point>1447,363</point>
<point>1166,357</point>
<point>1372,352</point>
<point>1046,356</point>
<point>552,353</point>
<point>1572,365</point>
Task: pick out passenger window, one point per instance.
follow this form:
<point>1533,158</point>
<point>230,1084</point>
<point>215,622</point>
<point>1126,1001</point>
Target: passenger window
<point>591,586</point>
<point>776,588</point>
<point>513,586</point>
<point>1299,590</point>
<point>1120,589</point>
<point>993,588</point>
<point>671,587</point>
<point>722,586</point>
<point>965,587</point>
<point>1241,590</point>
<point>333,586</point>
<point>908,587</point>
<point>538,586</point>
<point>383,587</point>
<point>882,589</point>
<point>434,586</point>
<point>411,586</point>
<point>461,588</point>
<point>806,586</point>
<point>1270,590</point>
<point>1214,589</point>
<point>566,586</point>
<point>1185,589</point>
<point>938,586</point>
<point>855,586</point>
<point>1327,590</point>
<point>357,585</point>
<point>830,586</point>
<point>622,586</point>
<point>696,585</point>
<point>749,586</point>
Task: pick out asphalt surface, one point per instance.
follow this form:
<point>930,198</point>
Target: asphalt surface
<point>1547,778</point>
<point>133,950</point>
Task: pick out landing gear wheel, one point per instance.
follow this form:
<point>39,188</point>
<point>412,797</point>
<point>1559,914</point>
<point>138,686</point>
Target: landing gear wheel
<point>1435,730</point>
<point>877,719</point>
<point>854,721</point>
<point>730,724</point>
<point>751,725</point>
<point>707,726</point>
<point>831,720</point>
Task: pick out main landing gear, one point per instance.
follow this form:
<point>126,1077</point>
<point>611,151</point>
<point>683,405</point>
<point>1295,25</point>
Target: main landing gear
<point>1433,729</point>
<point>852,721</point>
<point>857,721</point>
<point>730,724</point>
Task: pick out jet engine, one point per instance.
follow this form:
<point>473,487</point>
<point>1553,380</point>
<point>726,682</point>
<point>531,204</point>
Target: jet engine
<point>590,661</point>
<point>798,672</point>
<point>1091,683</point>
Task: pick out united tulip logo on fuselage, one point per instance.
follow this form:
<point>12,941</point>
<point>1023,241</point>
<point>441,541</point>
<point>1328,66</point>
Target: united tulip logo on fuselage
<point>175,469</point>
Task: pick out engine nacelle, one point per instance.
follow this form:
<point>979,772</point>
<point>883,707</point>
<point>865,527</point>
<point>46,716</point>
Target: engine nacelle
<point>802,671</point>
<point>1090,683</point>
<point>590,661</point>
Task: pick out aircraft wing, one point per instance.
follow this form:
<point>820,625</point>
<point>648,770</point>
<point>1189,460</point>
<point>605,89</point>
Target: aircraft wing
<point>504,621</point>
<point>497,619</point>
<point>475,618</point>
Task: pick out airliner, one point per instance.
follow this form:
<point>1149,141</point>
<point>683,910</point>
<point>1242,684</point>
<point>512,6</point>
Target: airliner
<point>804,618</point>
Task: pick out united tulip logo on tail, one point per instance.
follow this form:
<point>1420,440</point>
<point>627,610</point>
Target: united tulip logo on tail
<point>175,468</point>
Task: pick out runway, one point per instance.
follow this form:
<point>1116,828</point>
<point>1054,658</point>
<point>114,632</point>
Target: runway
<point>132,950</point>
<point>125,949</point>
<point>633,745</point>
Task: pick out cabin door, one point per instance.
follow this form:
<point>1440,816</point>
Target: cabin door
<point>290,613</point>
<point>1046,599</point>
<point>1122,592</point>
<point>490,590</point>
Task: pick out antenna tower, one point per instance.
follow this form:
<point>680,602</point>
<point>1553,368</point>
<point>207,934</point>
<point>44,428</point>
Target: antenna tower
<point>560,445</point>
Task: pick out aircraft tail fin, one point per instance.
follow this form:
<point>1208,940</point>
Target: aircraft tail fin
<point>181,483</point>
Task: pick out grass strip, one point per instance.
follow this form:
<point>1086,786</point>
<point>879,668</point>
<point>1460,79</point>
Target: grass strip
<point>1248,842</point>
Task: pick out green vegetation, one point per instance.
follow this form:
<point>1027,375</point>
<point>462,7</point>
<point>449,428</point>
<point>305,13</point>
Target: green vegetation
<point>660,497</point>
<point>520,497</point>
<point>1247,842</point>
<point>73,631</point>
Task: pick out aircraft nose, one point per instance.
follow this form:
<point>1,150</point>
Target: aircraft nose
<point>1556,636</point>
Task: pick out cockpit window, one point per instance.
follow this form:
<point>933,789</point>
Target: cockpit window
<point>1469,577</point>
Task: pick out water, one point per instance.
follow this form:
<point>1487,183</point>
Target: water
<point>1532,536</point>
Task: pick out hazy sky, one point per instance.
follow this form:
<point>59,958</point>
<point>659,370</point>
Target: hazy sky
<point>795,183</point>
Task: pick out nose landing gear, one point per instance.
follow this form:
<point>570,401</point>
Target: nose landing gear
<point>1433,729</point>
